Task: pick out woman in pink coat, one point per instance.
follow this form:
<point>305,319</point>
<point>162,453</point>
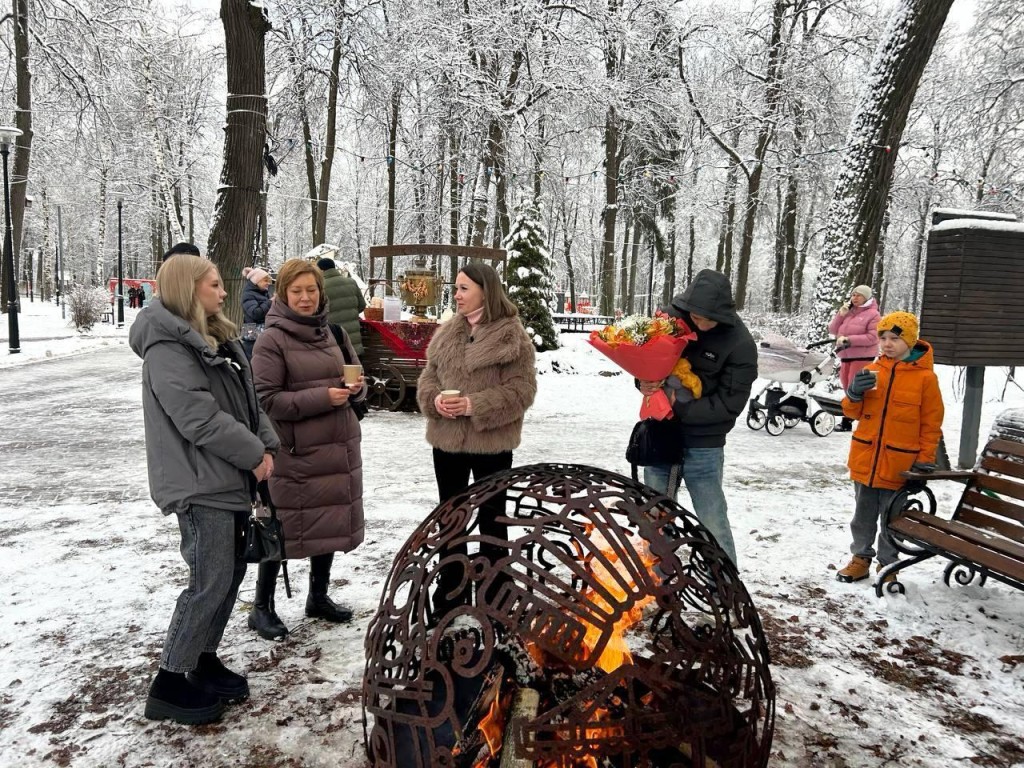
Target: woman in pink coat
<point>854,327</point>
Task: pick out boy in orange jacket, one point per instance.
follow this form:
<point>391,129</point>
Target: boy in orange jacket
<point>898,408</point>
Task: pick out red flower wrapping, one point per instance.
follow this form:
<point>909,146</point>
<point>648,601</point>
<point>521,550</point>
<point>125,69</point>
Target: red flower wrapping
<point>652,361</point>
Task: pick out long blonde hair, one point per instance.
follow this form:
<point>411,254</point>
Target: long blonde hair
<point>176,283</point>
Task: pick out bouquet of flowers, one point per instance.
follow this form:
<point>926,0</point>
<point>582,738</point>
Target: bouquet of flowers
<point>650,348</point>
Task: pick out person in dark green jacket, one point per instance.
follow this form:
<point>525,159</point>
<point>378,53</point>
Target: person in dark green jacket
<point>344,301</point>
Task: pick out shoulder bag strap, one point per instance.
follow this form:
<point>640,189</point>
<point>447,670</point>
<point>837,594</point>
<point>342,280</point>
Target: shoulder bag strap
<point>339,336</point>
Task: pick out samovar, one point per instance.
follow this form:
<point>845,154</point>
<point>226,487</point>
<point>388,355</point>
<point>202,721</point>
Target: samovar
<point>418,285</point>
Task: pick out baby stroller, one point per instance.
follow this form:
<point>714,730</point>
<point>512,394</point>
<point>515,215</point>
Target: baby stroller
<point>788,398</point>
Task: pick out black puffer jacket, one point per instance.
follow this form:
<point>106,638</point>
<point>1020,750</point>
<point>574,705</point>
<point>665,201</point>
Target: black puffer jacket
<point>725,359</point>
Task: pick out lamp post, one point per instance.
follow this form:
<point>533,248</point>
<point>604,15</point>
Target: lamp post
<point>8,136</point>
<point>119,196</point>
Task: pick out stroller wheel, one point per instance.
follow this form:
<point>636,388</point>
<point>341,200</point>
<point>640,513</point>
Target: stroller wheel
<point>822,423</point>
<point>756,419</point>
<point>792,422</point>
<point>776,426</point>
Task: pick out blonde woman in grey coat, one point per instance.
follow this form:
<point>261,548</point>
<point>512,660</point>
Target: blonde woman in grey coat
<point>485,354</point>
<point>207,445</point>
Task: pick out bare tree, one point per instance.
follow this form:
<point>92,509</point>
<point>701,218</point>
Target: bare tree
<point>232,237</point>
<point>859,200</point>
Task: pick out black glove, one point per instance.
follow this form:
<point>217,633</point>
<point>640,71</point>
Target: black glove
<point>862,382</point>
<point>924,466</point>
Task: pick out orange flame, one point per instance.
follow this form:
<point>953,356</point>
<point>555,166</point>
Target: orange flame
<point>493,726</point>
<point>616,652</point>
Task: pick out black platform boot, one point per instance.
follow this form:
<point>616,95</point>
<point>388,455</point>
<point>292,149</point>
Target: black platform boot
<point>318,604</point>
<point>263,618</point>
<point>213,677</point>
<point>173,697</point>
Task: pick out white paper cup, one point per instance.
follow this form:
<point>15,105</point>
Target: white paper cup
<point>351,374</point>
<point>449,393</point>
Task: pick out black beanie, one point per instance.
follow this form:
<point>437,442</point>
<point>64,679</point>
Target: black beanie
<point>325,264</point>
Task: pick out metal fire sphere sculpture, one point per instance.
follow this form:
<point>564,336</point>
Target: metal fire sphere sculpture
<point>570,615</point>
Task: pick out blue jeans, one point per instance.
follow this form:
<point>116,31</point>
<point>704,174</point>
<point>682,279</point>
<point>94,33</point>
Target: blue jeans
<point>208,538</point>
<point>702,473</point>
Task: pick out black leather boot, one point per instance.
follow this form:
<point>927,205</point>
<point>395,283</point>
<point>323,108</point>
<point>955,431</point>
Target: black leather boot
<point>213,677</point>
<point>173,697</point>
<point>318,604</point>
<point>263,618</point>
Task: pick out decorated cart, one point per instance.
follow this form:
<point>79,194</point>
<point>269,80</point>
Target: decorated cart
<point>395,352</point>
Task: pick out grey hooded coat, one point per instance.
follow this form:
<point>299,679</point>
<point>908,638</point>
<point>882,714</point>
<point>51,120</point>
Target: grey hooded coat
<point>205,432</point>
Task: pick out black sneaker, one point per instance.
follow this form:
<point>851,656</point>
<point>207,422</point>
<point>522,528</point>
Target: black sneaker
<point>213,677</point>
<point>845,425</point>
<point>173,697</point>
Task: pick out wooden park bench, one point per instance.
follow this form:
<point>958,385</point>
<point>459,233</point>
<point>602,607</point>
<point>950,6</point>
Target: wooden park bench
<point>983,538</point>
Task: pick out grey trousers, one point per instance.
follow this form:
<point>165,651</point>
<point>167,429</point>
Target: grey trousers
<point>208,539</point>
<point>871,503</point>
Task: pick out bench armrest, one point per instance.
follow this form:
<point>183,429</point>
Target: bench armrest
<point>942,474</point>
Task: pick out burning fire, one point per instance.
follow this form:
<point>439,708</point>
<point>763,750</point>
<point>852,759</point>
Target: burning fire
<point>617,581</point>
<point>616,578</point>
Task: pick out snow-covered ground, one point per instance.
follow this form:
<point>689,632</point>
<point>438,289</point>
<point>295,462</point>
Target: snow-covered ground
<point>91,571</point>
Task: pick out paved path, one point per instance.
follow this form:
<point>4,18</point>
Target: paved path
<point>71,430</point>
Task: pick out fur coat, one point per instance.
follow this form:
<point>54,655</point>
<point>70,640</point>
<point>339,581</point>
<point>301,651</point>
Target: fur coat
<point>494,367</point>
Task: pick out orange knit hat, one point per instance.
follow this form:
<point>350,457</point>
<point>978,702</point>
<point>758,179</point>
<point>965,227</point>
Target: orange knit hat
<point>903,324</point>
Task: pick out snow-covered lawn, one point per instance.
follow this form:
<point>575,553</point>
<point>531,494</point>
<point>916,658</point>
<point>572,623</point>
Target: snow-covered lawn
<point>91,570</point>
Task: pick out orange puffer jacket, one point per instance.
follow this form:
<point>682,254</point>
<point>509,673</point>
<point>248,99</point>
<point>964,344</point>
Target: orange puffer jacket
<point>898,422</point>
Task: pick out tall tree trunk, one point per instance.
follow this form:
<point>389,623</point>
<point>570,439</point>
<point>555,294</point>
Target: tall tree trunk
<point>233,234</point>
<point>99,276</point>
<point>611,199</point>
<point>779,250</point>
<point>23,151</point>
<point>789,245</point>
<point>327,163</point>
<point>723,261</point>
<point>634,258</point>
<point>858,204</point>
<point>389,261</point>
<point>628,230</point>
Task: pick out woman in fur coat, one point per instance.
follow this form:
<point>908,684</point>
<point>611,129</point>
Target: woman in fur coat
<point>483,353</point>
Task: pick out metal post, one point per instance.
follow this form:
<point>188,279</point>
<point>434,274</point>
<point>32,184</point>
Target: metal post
<point>971,423</point>
<point>12,283</point>
<point>120,270</point>
<point>60,255</point>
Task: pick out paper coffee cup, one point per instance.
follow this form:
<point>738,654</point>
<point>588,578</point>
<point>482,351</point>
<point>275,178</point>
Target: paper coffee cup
<point>446,393</point>
<point>351,374</point>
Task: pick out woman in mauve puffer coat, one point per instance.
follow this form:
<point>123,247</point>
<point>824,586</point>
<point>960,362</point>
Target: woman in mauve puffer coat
<point>317,485</point>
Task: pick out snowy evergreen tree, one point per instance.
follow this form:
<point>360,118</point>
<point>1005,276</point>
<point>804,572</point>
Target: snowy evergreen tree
<point>529,278</point>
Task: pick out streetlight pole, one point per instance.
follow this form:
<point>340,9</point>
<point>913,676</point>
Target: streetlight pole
<point>8,136</point>
<point>120,266</point>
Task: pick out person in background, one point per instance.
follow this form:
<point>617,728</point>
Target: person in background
<point>854,327</point>
<point>898,408</point>
<point>344,301</point>
<point>185,248</point>
<point>207,445</point>
<point>255,305</point>
<point>724,357</point>
<point>485,354</point>
<point>317,485</point>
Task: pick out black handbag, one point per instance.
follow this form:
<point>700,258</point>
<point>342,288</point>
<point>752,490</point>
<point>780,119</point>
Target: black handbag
<point>655,441</point>
<point>359,407</point>
<point>263,538</point>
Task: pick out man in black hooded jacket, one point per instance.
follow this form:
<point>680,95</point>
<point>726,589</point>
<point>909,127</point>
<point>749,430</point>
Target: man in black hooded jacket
<point>724,356</point>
